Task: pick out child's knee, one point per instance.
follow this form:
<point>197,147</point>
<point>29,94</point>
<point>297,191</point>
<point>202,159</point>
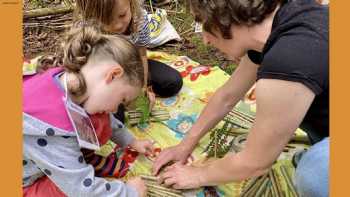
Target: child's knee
<point>170,86</point>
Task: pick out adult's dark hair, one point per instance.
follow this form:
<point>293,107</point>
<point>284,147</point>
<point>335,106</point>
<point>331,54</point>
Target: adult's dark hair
<point>221,14</point>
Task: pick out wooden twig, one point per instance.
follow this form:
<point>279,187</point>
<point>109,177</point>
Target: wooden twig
<point>175,12</point>
<point>47,11</point>
<point>187,31</point>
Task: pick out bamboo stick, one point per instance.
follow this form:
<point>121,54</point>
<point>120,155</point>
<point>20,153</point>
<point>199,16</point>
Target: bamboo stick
<point>231,122</point>
<point>250,185</point>
<point>274,190</point>
<point>154,189</point>
<point>275,183</point>
<point>256,187</point>
<point>239,116</point>
<point>262,189</point>
<point>149,178</point>
<point>164,193</point>
<point>269,191</point>
<point>236,114</point>
<point>244,114</point>
<point>154,193</point>
<point>288,180</point>
<point>158,187</point>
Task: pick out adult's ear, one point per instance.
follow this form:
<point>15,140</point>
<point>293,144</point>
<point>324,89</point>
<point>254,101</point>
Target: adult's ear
<point>114,72</point>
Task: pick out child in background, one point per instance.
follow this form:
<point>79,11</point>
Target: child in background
<point>99,73</point>
<point>127,17</point>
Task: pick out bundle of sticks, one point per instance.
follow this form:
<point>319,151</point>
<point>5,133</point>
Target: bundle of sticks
<point>134,116</point>
<point>239,119</point>
<point>270,185</point>
<point>154,189</point>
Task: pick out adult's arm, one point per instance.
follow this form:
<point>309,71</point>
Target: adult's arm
<point>222,102</point>
<point>281,106</point>
<point>224,99</point>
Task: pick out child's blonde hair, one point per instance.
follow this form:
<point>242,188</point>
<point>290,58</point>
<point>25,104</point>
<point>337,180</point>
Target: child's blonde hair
<point>83,43</point>
<point>101,11</point>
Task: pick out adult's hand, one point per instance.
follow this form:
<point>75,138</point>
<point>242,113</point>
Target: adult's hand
<point>178,153</point>
<point>181,176</point>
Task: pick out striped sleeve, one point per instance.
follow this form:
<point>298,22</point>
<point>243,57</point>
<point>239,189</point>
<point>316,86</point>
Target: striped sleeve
<point>142,37</point>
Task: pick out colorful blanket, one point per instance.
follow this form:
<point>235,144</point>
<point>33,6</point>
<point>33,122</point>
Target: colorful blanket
<point>200,82</point>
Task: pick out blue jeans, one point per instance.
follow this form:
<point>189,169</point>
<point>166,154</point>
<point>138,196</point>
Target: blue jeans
<point>312,173</point>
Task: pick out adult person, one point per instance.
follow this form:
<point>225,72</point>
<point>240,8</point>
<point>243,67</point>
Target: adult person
<point>283,47</point>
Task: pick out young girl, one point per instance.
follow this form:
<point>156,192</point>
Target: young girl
<point>99,73</point>
<point>128,18</point>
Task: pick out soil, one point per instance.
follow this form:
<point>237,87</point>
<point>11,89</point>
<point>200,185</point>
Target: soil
<point>43,34</point>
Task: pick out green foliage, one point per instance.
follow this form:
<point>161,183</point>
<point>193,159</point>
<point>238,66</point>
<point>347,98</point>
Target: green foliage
<point>142,104</point>
<point>221,141</point>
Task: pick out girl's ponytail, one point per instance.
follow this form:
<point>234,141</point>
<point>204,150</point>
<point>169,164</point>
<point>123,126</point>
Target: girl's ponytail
<point>85,41</point>
<point>78,46</point>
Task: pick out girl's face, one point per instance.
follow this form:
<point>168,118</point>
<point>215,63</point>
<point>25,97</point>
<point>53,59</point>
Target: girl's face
<point>107,88</point>
<point>121,17</point>
<point>234,48</point>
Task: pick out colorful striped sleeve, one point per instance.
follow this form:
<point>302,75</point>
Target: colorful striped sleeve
<point>142,37</point>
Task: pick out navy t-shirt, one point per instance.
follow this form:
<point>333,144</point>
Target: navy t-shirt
<point>297,50</point>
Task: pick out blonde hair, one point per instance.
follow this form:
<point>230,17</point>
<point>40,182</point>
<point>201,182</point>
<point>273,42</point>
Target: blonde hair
<point>101,11</point>
<point>87,42</point>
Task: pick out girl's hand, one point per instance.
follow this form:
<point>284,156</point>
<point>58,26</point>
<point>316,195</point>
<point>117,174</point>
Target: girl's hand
<point>181,176</point>
<point>143,146</point>
<point>139,185</point>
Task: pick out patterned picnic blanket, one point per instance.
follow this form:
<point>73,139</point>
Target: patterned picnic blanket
<point>200,82</point>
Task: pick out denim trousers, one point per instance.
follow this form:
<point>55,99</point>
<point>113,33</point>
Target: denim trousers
<point>312,173</point>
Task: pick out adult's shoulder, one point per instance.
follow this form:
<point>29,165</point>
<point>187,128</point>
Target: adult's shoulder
<point>301,57</point>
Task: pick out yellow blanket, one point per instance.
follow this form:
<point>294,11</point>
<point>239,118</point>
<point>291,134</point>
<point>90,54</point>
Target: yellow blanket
<point>200,82</point>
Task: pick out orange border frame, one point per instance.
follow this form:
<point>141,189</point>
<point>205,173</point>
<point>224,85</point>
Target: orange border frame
<point>339,106</point>
<point>10,80</point>
<point>11,107</point>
